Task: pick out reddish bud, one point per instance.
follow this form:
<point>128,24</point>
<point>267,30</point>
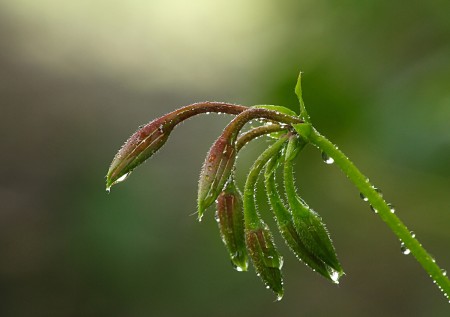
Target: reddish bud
<point>230,218</point>
<point>216,171</point>
<point>152,136</point>
<point>139,147</point>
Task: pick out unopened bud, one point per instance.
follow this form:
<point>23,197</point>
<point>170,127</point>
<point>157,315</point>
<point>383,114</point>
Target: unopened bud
<point>314,235</point>
<point>139,147</point>
<point>265,257</point>
<point>230,218</point>
<point>152,136</point>
<point>309,225</point>
<point>286,226</point>
<point>216,171</point>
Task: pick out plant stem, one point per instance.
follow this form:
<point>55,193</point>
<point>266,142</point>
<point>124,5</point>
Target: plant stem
<point>251,216</point>
<point>254,133</point>
<point>235,126</point>
<point>383,209</point>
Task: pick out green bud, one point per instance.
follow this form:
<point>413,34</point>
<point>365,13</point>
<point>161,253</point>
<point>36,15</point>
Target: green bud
<point>265,257</point>
<point>230,218</point>
<point>287,229</point>
<point>309,225</point>
<point>313,233</point>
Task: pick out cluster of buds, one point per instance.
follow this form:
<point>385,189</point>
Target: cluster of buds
<point>242,229</point>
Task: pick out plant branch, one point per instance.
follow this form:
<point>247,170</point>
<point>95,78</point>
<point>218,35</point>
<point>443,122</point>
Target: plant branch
<point>383,209</point>
<point>248,136</point>
<point>251,217</point>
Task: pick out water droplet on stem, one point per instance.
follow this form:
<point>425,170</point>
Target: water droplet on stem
<point>378,191</point>
<point>404,249</point>
<point>391,208</point>
<point>373,209</point>
<point>327,159</point>
<point>363,197</point>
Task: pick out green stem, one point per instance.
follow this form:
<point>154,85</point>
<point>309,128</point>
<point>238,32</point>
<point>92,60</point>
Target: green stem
<point>289,184</point>
<point>251,217</point>
<point>384,210</point>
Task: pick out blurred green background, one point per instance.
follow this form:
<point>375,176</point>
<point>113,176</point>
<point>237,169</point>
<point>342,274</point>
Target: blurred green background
<point>78,77</point>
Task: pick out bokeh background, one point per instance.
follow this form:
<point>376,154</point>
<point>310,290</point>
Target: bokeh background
<point>78,77</point>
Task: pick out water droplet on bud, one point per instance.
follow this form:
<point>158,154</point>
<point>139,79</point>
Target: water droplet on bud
<point>122,178</point>
<point>334,275</point>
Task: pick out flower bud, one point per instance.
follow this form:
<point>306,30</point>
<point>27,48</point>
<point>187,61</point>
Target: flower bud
<point>152,136</point>
<point>216,171</point>
<point>286,226</point>
<point>230,218</point>
<point>313,233</point>
<point>139,147</point>
<point>265,257</point>
<point>309,225</point>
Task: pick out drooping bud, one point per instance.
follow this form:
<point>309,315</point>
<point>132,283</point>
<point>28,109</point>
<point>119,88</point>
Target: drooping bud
<point>230,218</point>
<point>265,257</point>
<point>313,233</point>
<point>139,147</point>
<point>151,137</point>
<point>216,171</point>
<point>309,226</point>
<point>286,226</point>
